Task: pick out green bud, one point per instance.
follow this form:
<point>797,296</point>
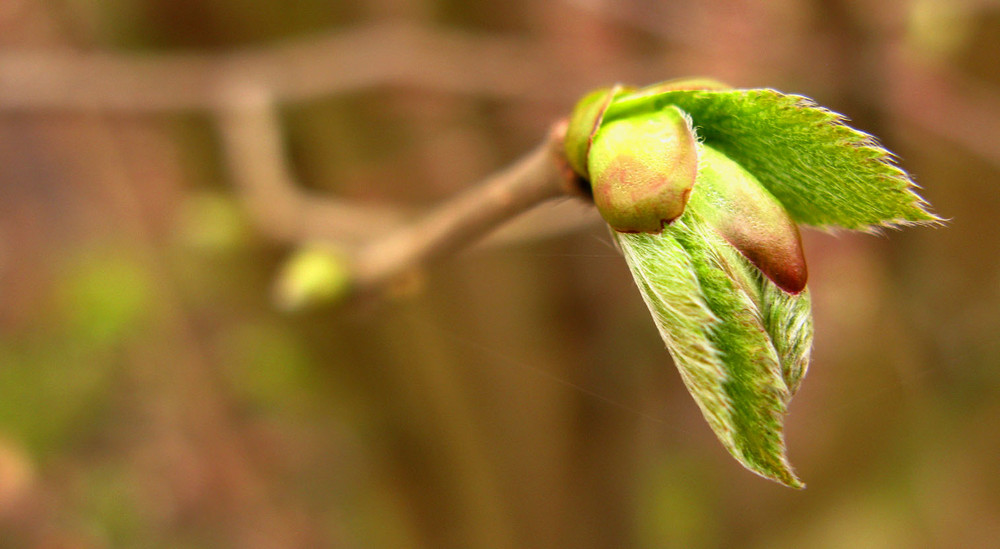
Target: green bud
<point>709,228</point>
<point>583,124</point>
<point>313,275</point>
<point>642,169</point>
<point>652,97</point>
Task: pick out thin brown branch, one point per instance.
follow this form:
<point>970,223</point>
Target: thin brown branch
<point>539,176</point>
<point>320,66</point>
<point>254,153</point>
<point>252,145</point>
<point>381,242</point>
<point>241,88</point>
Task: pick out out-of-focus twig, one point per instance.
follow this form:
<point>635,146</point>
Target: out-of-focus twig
<point>342,61</point>
<point>241,87</point>
<point>320,66</point>
<point>383,243</point>
<point>252,144</point>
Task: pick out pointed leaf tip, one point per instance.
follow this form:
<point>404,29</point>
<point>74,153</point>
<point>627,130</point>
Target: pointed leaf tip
<point>736,347</point>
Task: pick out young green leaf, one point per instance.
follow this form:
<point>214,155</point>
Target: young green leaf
<point>740,342</point>
<point>716,333</point>
<point>825,173</point>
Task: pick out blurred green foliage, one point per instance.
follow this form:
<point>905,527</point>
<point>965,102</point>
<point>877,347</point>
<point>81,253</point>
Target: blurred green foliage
<point>58,379</point>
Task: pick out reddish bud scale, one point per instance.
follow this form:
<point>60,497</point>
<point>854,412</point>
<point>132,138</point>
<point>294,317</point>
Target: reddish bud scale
<point>750,219</point>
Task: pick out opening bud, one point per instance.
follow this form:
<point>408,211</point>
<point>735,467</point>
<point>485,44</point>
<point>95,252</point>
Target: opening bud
<point>642,169</point>
<point>732,201</point>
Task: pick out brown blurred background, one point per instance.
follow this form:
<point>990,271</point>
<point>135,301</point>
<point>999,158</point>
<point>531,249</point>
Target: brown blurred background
<point>151,395</point>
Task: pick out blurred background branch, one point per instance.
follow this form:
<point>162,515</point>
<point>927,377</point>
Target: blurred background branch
<point>251,135</point>
<point>242,87</point>
<point>347,60</point>
<point>255,155</point>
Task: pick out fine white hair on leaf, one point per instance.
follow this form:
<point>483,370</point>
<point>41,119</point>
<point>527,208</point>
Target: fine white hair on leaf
<point>742,362</point>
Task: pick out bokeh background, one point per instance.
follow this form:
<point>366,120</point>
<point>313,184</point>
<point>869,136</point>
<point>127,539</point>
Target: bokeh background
<point>152,395</point>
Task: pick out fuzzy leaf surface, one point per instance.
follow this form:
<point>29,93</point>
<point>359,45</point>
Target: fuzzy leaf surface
<point>737,352</point>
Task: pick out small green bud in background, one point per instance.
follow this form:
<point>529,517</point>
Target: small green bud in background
<point>704,187</point>
<point>211,221</point>
<point>314,275</point>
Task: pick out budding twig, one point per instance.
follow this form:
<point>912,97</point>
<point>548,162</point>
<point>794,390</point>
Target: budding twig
<point>539,176</point>
<point>380,243</point>
<point>252,146</point>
